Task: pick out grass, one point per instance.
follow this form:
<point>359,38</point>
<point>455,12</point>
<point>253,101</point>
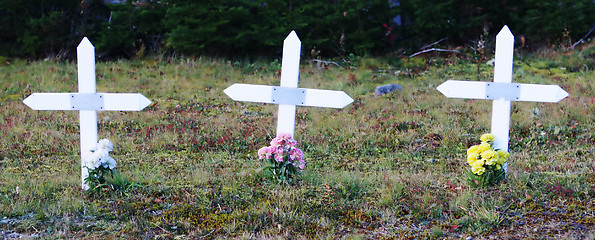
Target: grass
<point>388,166</point>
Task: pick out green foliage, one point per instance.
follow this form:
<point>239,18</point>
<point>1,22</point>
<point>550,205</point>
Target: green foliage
<point>486,163</point>
<point>281,172</point>
<point>131,31</point>
<point>344,27</point>
<point>103,181</point>
<point>117,34</point>
<point>257,27</point>
<point>541,22</point>
<point>209,26</point>
<point>97,178</point>
<point>240,28</point>
<point>46,28</point>
<point>560,22</point>
<point>490,178</point>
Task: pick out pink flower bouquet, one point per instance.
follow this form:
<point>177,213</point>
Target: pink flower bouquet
<point>284,158</point>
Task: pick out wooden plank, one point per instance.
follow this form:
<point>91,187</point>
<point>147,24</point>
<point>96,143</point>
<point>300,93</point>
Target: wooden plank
<point>477,90</point>
<point>504,56</point>
<point>290,63</point>
<point>86,66</point>
<point>502,74</point>
<point>87,119</point>
<point>542,93</point>
<point>112,101</point>
<point>250,92</point>
<point>263,93</point>
<point>463,89</point>
<point>290,70</point>
<point>125,102</point>
<point>327,98</point>
<point>286,119</point>
<point>48,101</point>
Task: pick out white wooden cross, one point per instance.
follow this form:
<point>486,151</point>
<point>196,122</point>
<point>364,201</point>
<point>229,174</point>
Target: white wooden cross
<point>88,101</point>
<point>288,95</point>
<point>502,90</point>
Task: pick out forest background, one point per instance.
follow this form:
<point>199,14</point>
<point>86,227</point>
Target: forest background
<point>254,28</point>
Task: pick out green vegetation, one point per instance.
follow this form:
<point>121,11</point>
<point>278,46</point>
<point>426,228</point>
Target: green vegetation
<point>241,28</point>
<point>390,166</point>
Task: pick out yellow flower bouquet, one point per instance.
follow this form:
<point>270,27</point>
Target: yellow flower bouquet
<point>486,163</point>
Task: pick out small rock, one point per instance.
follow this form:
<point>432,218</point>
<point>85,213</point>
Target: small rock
<point>13,235</point>
<point>491,62</point>
<point>6,220</point>
<point>431,160</point>
<point>384,89</point>
<point>536,112</point>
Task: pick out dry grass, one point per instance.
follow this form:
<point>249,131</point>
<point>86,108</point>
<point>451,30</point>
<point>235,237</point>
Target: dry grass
<point>388,166</point>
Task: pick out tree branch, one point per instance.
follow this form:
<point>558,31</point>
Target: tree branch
<point>318,62</point>
<point>433,49</point>
<point>582,39</point>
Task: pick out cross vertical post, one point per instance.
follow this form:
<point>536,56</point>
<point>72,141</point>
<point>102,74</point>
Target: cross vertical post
<point>502,91</point>
<point>288,95</point>
<point>87,84</point>
<point>290,70</point>
<point>502,74</point>
<point>87,101</point>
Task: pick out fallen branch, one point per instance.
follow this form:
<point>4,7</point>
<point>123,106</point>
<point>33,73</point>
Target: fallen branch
<point>163,229</point>
<point>433,49</point>
<point>318,62</point>
<point>582,39</point>
<point>207,234</point>
<point>434,43</point>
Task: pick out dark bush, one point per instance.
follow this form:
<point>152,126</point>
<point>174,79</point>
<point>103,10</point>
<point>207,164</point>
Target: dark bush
<point>240,28</point>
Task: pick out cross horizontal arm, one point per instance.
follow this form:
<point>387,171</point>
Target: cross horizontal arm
<point>64,101</point>
<point>250,93</point>
<point>327,98</point>
<point>480,90</point>
<point>267,94</point>
<point>542,93</point>
<point>463,89</point>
